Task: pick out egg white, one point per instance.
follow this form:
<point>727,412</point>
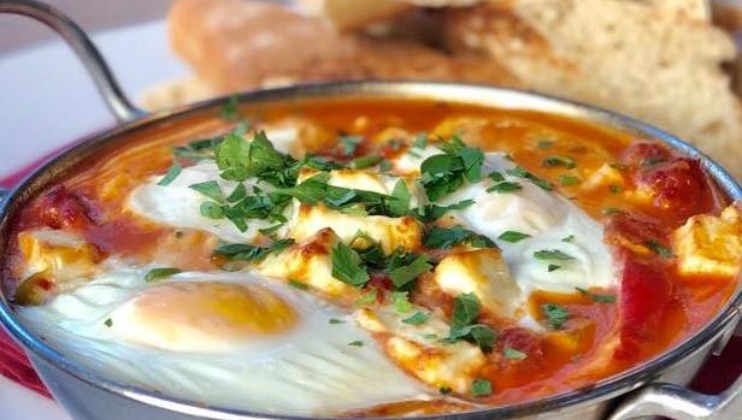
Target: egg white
<point>552,221</point>
<point>177,205</point>
<point>309,369</point>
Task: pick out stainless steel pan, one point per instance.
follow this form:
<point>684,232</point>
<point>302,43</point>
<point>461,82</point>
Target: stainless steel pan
<point>655,388</point>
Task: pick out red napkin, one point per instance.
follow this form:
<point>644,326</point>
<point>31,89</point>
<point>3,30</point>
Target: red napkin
<point>715,376</point>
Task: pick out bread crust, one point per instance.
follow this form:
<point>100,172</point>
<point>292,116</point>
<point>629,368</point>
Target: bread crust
<point>236,45</point>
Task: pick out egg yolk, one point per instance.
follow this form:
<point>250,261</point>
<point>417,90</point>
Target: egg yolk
<point>202,316</point>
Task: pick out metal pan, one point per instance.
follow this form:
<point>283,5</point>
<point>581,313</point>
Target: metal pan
<point>655,388</point>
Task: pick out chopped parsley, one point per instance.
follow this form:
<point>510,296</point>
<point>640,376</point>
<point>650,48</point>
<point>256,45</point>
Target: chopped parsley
<point>335,321</point>
<point>296,284</point>
<point>596,297</point>
<point>108,322</point>
<point>401,303</point>
<point>513,354</point>
<point>349,144</point>
<point>230,109</point>
<point>545,144</point>
<point>416,319</point>
<point>466,308</point>
<point>364,162</point>
<point>367,299</point>
<point>522,173</point>
<point>420,141</point>
<point>569,238</point>
<point>513,236</point>
<point>211,210</point>
<point>568,180</point>
<point>556,315</point>
<point>481,388</point>
<point>553,161</point>
<point>251,253</point>
<point>552,254</point>
<point>347,267</point>
<point>443,174</point>
<point>611,210</point>
<point>659,249</point>
<point>209,189</point>
<point>503,187</point>
<point>160,273</point>
<point>615,189</point>
<point>553,267</point>
<point>357,343</point>
<point>432,212</point>
<point>444,238</point>
<point>172,173</point>
<point>404,274</point>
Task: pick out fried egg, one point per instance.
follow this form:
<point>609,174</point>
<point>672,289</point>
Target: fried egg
<point>229,339</point>
<point>178,205</point>
<point>551,221</point>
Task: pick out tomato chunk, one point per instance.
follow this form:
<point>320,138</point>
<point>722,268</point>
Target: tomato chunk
<point>59,209</point>
<point>645,299</point>
<point>646,153</point>
<point>679,185</point>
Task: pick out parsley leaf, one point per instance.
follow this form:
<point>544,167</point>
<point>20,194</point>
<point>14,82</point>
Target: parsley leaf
<point>513,236</point>
<point>209,189</point>
<point>296,284</point>
<point>444,173</point>
<point>481,388</point>
<point>552,161</point>
<point>346,266</point>
<point>247,252</point>
<point>160,273</point>
<point>403,275</point>
<point>597,297</point>
<point>659,249</point>
<point>552,254</point>
<point>513,354</point>
<point>364,162</point>
<point>545,144</point>
<point>401,302</point>
<point>421,140</point>
<point>416,319</point>
<point>211,210</point>
<point>465,310</point>
<point>431,212</point>
<point>400,204</point>
<point>504,187</point>
<point>172,173</point>
<point>357,343</point>
<point>367,299</point>
<point>568,180</point>
<point>444,238</point>
<point>522,173</point>
<point>556,315</point>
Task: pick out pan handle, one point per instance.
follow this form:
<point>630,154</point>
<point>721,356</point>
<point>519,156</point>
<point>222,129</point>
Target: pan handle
<point>679,403</point>
<point>91,58</point>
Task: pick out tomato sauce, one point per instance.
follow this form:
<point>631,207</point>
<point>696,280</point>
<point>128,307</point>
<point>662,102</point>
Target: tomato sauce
<point>639,189</point>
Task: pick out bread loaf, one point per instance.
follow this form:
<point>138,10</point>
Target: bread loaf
<point>657,63</point>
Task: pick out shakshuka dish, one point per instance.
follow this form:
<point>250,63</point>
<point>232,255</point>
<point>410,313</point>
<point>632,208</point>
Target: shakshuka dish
<point>374,257</point>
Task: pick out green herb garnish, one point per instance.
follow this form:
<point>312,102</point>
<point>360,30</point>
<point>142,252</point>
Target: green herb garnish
<point>513,354</point>
<point>416,319</point>
<point>513,236</point>
<point>556,315</point>
<point>481,388</point>
<point>172,173</point>
<point>346,266</point>
<point>160,273</point>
